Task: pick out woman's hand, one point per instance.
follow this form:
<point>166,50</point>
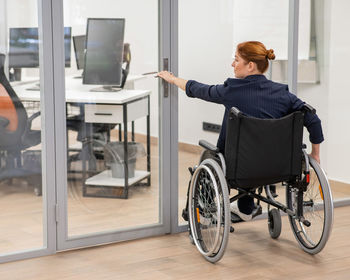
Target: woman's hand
<point>316,157</point>
<point>315,152</point>
<point>171,79</point>
<point>167,76</point>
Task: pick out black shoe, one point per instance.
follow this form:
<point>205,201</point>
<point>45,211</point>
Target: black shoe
<point>256,212</point>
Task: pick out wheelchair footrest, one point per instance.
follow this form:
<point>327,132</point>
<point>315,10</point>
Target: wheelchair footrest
<point>257,211</point>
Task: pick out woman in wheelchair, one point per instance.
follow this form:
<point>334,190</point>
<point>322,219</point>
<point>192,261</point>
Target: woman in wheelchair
<point>260,144</point>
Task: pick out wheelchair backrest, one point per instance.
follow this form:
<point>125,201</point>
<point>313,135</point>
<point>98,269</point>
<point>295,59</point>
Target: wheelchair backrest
<point>263,151</point>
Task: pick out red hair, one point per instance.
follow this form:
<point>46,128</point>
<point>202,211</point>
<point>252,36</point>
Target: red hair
<point>256,52</point>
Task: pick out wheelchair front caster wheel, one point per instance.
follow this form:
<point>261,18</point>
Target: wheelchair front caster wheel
<point>274,223</point>
<point>232,230</point>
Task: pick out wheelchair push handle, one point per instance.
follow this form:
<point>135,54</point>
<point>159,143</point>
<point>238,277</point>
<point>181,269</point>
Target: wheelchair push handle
<point>236,112</point>
<point>309,108</point>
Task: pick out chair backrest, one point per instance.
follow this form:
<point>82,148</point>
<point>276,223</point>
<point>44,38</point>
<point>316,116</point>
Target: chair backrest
<point>11,108</point>
<point>263,151</point>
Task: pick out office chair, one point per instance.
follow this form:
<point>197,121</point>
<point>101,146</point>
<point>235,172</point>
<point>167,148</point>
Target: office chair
<point>16,134</point>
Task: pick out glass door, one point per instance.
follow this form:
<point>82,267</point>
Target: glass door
<point>112,121</point>
<point>27,170</point>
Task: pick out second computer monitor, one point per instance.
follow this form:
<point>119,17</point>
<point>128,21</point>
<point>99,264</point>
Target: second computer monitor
<point>104,51</point>
<point>24,47</point>
<point>79,49</point>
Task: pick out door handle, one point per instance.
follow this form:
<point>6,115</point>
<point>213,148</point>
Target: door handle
<point>165,84</point>
<point>103,114</point>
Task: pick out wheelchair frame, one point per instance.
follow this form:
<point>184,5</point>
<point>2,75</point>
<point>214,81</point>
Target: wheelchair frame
<point>301,185</point>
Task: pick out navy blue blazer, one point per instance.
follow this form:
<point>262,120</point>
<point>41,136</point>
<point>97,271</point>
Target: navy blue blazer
<point>255,96</point>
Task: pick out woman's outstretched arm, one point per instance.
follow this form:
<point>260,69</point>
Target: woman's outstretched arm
<point>171,79</point>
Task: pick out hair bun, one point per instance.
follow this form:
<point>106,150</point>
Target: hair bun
<point>270,54</point>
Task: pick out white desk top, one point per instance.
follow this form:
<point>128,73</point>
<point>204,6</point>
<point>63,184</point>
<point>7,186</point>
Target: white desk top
<point>76,92</point>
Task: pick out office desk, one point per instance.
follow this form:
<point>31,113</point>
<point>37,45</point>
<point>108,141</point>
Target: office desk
<point>105,107</point>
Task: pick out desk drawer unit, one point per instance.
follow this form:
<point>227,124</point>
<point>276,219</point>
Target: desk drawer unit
<point>96,113</point>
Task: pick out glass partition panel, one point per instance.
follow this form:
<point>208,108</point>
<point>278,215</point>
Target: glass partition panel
<point>323,83</point>
<point>112,115</point>
<point>206,49</point>
<point>21,200</point>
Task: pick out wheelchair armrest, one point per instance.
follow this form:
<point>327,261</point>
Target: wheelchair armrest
<point>4,122</point>
<point>309,108</point>
<point>208,146</point>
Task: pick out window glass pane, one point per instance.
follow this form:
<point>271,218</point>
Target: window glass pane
<point>21,148</point>
<point>323,83</point>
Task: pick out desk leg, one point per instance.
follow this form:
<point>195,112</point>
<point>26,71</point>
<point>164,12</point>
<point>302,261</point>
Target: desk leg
<point>126,170</point>
<point>120,132</point>
<point>84,158</point>
<point>148,144</point>
<point>87,154</point>
<point>109,133</point>
<point>133,131</point>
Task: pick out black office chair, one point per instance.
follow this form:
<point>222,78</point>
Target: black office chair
<point>16,134</point>
<point>258,153</point>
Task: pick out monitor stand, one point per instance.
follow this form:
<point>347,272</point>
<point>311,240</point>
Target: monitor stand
<point>106,89</point>
<point>80,77</point>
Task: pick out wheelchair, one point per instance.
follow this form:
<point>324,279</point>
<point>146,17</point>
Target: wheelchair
<point>259,153</point>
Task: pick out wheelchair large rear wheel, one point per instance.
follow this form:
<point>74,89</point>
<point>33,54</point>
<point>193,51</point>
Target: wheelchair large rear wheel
<point>317,209</point>
<point>209,211</point>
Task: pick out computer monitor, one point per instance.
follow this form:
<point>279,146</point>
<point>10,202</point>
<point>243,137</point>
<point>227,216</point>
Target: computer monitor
<point>79,49</point>
<point>24,47</point>
<point>104,53</point>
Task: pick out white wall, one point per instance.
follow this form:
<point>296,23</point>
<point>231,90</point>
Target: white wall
<point>205,54</point>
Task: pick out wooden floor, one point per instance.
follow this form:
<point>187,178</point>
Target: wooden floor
<point>251,254</point>
<point>21,215</point>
